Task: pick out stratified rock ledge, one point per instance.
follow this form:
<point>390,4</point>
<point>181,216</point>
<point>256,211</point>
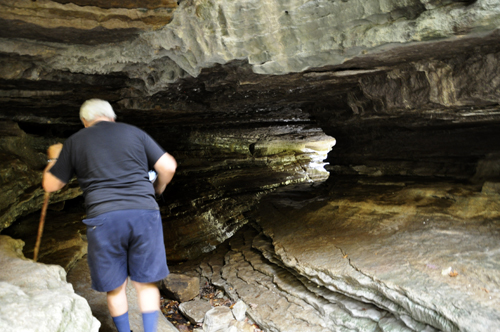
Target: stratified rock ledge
<point>379,257</point>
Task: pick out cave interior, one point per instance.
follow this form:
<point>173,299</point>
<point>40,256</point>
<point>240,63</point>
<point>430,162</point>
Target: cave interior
<point>366,169</point>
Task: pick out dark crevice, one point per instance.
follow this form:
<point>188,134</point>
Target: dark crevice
<point>19,29</point>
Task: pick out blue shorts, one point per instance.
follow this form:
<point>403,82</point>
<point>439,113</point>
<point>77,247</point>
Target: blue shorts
<point>125,243</point>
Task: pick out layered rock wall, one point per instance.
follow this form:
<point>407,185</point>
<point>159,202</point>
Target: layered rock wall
<point>223,172</point>
<point>427,118</point>
<point>225,168</point>
<point>22,161</point>
<point>247,95</point>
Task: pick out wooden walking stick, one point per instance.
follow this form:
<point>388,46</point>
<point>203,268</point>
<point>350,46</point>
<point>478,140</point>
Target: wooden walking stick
<point>40,226</point>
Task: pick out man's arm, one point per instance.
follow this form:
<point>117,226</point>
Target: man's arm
<point>49,182</point>
<point>165,167</point>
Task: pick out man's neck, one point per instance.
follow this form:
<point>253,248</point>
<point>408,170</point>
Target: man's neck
<point>96,120</point>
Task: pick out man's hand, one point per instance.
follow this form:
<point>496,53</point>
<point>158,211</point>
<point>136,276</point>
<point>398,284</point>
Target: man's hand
<point>49,182</point>
<point>54,150</point>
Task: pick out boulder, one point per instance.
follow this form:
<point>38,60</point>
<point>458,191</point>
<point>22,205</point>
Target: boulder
<point>36,297</point>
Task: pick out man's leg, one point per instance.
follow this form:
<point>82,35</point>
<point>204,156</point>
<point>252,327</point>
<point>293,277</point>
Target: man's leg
<point>149,304</point>
<point>118,307</point>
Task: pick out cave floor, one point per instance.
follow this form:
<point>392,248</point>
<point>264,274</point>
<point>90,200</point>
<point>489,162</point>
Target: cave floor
<point>373,255</point>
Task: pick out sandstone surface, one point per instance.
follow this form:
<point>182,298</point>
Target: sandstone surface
<point>36,297</point>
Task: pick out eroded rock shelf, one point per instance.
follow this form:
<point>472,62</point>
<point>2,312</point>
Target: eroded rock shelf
<point>382,263</point>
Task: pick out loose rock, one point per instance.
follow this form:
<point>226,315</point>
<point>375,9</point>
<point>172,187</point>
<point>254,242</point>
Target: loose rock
<point>180,287</point>
<point>239,310</point>
<point>240,326</point>
<point>217,319</point>
<point>195,310</point>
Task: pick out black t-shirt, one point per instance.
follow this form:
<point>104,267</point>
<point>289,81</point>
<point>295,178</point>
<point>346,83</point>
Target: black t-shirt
<point>111,161</point>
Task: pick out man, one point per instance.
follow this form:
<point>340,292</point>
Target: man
<point>124,230</point>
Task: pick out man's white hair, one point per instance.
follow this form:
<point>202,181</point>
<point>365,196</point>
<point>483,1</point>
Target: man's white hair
<point>94,108</point>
